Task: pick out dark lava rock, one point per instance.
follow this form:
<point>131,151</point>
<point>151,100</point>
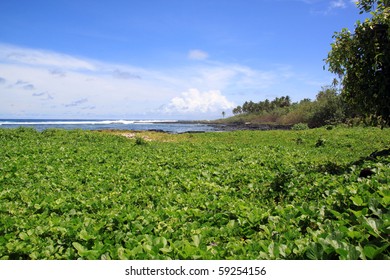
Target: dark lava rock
<point>366,172</point>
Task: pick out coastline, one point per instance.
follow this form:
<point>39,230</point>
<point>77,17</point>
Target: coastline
<point>221,126</point>
<point>168,126</point>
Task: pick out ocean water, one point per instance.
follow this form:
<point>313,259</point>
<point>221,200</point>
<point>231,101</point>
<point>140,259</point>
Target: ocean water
<point>171,126</point>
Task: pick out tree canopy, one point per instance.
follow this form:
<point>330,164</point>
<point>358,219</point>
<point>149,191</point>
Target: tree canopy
<point>362,62</point>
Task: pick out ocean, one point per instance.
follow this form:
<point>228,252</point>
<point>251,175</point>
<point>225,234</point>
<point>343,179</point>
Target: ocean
<point>171,126</point>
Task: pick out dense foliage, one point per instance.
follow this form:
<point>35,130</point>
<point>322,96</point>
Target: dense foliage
<point>263,106</point>
<point>362,62</point>
<point>234,195</point>
<point>327,108</point>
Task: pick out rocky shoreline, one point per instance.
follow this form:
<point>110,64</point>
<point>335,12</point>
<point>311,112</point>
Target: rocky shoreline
<point>249,126</point>
<point>215,127</point>
<point>237,126</point>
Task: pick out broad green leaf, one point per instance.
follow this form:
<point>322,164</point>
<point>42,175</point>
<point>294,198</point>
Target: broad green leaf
<point>231,224</point>
<point>166,250</point>
<point>315,252</point>
<point>358,201</point>
<point>356,213</point>
<point>147,247</point>
<point>80,248</point>
<point>370,251</point>
<point>344,254</point>
<point>196,240</point>
<point>386,200</point>
<point>354,234</point>
<point>373,224</point>
<point>23,235</point>
<point>84,235</point>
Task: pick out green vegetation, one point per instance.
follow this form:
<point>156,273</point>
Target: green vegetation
<point>300,194</point>
<point>362,62</point>
<point>327,108</point>
<point>300,126</point>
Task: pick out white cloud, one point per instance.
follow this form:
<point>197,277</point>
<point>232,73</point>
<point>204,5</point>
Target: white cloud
<point>43,58</point>
<point>38,83</point>
<point>38,91</point>
<point>228,77</point>
<point>332,4</point>
<point>338,4</point>
<point>197,55</point>
<point>77,102</point>
<point>326,7</point>
<point>120,74</point>
<point>193,101</point>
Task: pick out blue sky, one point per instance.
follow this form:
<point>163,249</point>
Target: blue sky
<point>171,59</point>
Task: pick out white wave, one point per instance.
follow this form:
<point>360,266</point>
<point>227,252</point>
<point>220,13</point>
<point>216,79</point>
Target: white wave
<point>48,122</point>
<point>155,121</point>
<point>115,122</point>
<point>82,122</point>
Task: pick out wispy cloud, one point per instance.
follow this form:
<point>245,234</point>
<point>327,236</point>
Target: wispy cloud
<point>193,100</point>
<point>44,58</point>
<point>43,95</point>
<point>77,102</point>
<point>39,94</point>
<point>120,74</point>
<point>57,72</point>
<point>66,86</point>
<point>326,7</point>
<point>332,6</point>
<point>24,85</point>
<point>338,4</point>
<point>197,55</point>
<point>332,3</point>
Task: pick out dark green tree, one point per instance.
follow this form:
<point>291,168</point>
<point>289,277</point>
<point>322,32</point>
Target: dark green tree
<point>362,62</point>
<point>328,108</point>
<point>237,110</point>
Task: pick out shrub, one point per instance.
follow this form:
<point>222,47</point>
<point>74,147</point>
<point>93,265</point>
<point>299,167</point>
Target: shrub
<point>320,142</point>
<point>300,126</point>
<point>140,141</point>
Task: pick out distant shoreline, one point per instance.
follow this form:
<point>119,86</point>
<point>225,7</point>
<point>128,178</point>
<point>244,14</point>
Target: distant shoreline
<point>221,126</point>
<point>169,126</point>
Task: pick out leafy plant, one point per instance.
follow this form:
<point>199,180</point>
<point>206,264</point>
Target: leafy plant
<point>236,195</point>
<point>300,126</point>
<point>140,141</point>
<point>320,142</point>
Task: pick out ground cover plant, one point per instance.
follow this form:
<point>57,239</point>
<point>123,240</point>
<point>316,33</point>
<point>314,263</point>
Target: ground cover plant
<point>304,194</point>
